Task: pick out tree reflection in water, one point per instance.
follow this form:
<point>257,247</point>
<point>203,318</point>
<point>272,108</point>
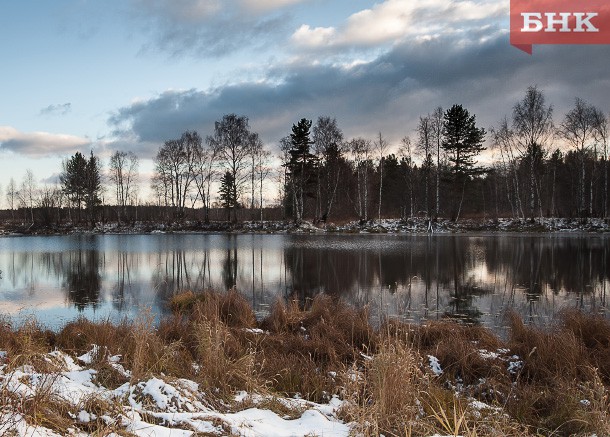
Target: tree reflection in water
<point>472,278</point>
<point>82,278</point>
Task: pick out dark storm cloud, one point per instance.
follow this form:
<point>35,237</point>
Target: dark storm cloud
<point>484,73</point>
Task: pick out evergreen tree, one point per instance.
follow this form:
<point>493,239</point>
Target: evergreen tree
<point>228,192</point>
<point>73,180</point>
<point>301,167</point>
<point>93,186</point>
<point>81,182</point>
<point>463,142</point>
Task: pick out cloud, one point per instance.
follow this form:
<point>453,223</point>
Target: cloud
<point>212,27</point>
<point>388,93</point>
<point>59,109</point>
<point>54,179</point>
<point>40,144</point>
<point>259,6</point>
<point>393,20</point>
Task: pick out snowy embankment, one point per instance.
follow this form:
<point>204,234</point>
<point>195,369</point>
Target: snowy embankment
<point>214,369</point>
<point>411,225</point>
<point>161,407</point>
<point>155,407</point>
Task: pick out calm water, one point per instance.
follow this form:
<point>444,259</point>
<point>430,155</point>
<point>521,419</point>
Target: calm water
<point>475,278</point>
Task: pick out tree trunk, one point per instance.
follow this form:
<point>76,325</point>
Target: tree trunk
<point>532,186</point>
<point>380,185</point>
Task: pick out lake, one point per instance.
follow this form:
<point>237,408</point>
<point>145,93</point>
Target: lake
<point>475,278</point>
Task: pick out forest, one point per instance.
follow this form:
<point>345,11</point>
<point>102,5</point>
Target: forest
<point>529,166</point>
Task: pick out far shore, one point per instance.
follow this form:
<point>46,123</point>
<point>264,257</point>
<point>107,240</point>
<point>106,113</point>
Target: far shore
<point>373,226</point>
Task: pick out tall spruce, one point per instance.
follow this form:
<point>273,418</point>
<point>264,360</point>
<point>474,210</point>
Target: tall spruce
<point>463,142</point>
<point>301,167</point>
<point>227,193</point>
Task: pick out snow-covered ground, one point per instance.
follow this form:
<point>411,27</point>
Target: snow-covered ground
<point>161,406</point>
<point>154,407</point>
<point>409,225</point>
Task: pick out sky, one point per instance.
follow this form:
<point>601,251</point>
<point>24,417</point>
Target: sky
<point>84,75</point>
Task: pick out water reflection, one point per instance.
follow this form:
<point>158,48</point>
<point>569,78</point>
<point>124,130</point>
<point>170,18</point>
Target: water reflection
<point>82,277</point>
<point>473,278</point>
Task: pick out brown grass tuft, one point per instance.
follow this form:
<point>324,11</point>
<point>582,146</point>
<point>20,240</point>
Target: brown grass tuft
<point>231,307</point>
<point>79,336</point>
<point>383,396</point>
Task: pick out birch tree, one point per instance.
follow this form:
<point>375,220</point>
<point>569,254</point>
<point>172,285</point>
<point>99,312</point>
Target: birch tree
<point>533,127</point>
<point>437,122</point>
<point>175,165</point>
<point>204,175</point>
<point>328,141</point>
<point>123,174</point>
<point>425,144</point>
<point>578,130</point>
<point>231,143</point>
<point>11,196</point>
<point>361,150</point>
<point>381,147</point>
<point>27,193</point>
<point>601,139</point>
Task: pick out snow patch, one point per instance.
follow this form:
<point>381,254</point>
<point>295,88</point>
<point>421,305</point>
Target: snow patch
<point>435,365</point>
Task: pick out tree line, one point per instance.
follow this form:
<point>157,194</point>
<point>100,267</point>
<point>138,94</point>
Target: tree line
<point>538,168</point>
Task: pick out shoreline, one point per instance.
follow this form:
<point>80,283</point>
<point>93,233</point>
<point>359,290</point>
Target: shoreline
<point>385,226</point>
<point>214,368</point>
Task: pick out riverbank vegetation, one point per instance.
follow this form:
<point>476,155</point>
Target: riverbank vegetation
<point>325,360</point>
<point>527,167</point>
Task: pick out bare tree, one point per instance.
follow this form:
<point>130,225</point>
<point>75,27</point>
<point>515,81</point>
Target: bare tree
<point>231,143</point>
<point>48,203</point>
<point>578,129</point>
<point>381,147</point>
<point>11,196</point>
<point>204,175</point>
<point>256,149</point>
<point>27,193</point>
<point>437,120</point>
<point>406,153</point>
<point>123,174</point>
<point>503,139</point>
<point>532,127</point>
<point>281,177</point>
<point>425,144</point>
<point>601,138</point>
<point>329,148</point>
<point>361,151</point>
<point>175,165</point>
<point>263,170</point>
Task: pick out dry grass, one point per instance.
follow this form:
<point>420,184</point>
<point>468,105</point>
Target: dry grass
<point>326,348</point>
<point>383,394</point>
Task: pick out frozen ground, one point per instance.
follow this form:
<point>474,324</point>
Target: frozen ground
<point>158,406</point>
<point>154,407</point>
